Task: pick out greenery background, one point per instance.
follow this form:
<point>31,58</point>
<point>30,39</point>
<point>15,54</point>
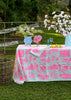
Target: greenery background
<point>28,10</point>
<point>32,10</point>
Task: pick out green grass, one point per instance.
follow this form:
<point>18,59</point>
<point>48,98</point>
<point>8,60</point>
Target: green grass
<point>60,90</point>
<point>36,91</point>
<point>57,38</point>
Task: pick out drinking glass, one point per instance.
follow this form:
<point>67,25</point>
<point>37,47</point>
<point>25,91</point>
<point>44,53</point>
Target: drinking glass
<point>51,40</point>
<point>48,42</point>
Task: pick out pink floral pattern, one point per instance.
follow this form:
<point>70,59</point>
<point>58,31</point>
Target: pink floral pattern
<point>52,64</point>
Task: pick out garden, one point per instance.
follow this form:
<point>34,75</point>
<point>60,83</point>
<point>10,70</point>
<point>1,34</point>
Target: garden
<point>23,18</point>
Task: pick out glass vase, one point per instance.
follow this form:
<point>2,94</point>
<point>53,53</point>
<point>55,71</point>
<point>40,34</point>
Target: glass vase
<point>28,40</point>
<point>68,40</point>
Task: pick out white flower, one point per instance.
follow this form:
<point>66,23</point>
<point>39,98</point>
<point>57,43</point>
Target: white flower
<point>52,26</point>
<point>55,16</point>
<point>63,20</point>
<point>60,23</point>
<point>60,16</point>
<point>48,21</point>
<point>49,28</point>
<point>65,25</point>
<point>45,23</point>
<point>56,31</point>
<point>56,23</point>
<point>69,22</point>
<point>62,29</point>
<point>66,16</point>
<point>64,35</point>
<point>32,28</point>
<point>53,22</point>
<point>46,16</point>
<point>53,12</point>
<point>62,12</point>
<point>69,29</point>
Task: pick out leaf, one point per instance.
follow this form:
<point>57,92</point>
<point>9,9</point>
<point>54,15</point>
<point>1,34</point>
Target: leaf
<point>21,30</point>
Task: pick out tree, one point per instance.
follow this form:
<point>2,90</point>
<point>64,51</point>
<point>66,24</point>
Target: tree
<point>8,13</point>
<point>34,10</point>
<point>70,6</point>
<point>47,7</point>
<point>18,10</point>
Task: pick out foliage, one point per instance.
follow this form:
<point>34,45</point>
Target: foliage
<point>70,6</point>
<point>27,30</point>
<point>62,7</point>
<point>46,7</point>
<point>18,10</point>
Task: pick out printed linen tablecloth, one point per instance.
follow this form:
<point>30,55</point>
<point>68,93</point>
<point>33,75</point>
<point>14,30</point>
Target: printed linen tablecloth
<point>40,63</point>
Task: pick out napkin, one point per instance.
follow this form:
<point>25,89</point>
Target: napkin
<point>37,52</point>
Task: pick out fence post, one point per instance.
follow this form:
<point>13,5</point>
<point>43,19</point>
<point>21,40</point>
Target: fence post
<point>4,41</point>
<point>40,26</point>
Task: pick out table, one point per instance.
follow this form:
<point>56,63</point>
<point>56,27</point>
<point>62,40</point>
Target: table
<point>40,63</point>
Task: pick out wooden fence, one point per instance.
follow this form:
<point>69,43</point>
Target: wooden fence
<point>8,43</point>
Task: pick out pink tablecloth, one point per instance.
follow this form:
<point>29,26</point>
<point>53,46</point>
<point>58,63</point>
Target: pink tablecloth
<point>41,63</point>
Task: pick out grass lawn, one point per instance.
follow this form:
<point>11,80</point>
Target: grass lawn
<point>60,90</point>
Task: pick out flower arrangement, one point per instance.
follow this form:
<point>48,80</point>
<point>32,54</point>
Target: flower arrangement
<point>28,30</point>
<point>60,23</point>
<point>37,38</point>
<point>46,20</point>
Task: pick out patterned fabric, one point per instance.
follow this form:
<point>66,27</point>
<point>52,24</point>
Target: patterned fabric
<point>39,63</point>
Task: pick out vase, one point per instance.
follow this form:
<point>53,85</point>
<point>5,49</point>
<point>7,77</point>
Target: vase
<point>28,40</point>
<point>68,40</point>
<point>38,44</point>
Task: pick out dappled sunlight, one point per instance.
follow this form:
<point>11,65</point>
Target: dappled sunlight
<point>56,34</point>
<point>57,38</point>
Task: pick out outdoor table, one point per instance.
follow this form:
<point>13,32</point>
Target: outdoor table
<point>41,63</point>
